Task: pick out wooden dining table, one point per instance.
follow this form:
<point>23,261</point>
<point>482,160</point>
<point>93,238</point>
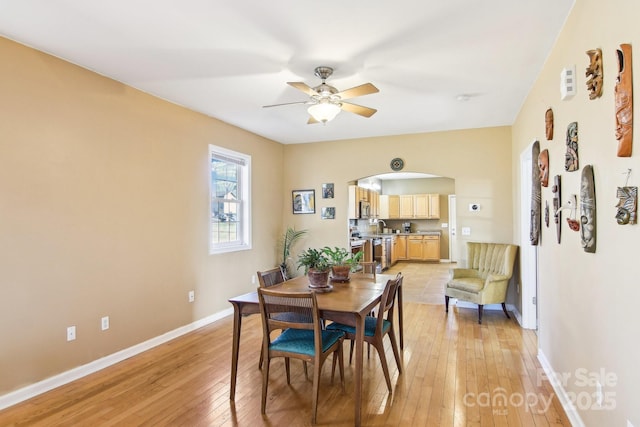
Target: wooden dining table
<point>347,303</point>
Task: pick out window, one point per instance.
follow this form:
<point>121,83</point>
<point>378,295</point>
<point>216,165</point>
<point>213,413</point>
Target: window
<point>229,196</point>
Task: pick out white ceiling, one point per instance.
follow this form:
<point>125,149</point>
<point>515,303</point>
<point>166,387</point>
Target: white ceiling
<point>227,59</point>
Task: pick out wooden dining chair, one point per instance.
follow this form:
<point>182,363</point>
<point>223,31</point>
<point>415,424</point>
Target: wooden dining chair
<point>367,268</point>
<point>375,328</point>
<point>268,278</point>
<point>306,341</point>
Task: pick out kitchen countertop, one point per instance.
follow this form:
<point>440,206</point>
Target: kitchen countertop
<point>418,233</point>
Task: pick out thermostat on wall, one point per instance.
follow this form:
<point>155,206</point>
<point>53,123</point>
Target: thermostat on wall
<point>474,207</point>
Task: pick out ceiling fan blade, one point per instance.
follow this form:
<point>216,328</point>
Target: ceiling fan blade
<point>358,109</point>
<point>303,87</point>
<point>361,90</point>
<point>312,120</point>
<point>286,103</point>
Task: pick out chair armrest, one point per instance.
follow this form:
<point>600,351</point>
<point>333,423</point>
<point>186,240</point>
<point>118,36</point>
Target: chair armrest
<point>493,278</point>
<point>457,273</point>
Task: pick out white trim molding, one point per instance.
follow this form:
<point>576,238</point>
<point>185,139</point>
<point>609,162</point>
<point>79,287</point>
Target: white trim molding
<point>63,378</point>
<point>563,397</point>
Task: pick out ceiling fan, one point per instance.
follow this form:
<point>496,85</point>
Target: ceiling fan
<point>326,101</point>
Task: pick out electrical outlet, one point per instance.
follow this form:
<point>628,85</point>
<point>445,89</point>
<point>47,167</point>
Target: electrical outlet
<point>466,231</point>
<point>105,323</point>
<point>71,333</point>
<point>192,296</point>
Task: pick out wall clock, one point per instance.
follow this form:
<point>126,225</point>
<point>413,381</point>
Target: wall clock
<point>397,164</point>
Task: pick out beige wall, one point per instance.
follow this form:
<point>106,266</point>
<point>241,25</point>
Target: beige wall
<point>461,155</point>
<point>103,212</point>
<point>104,208</point>
<point>588,318</point>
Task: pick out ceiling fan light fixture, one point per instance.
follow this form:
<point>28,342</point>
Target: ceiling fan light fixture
<point>324,111</point>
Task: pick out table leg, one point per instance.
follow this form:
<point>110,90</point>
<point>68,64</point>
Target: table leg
<point>400,321</point>
<point>359,363</point>
<point>237,324</point>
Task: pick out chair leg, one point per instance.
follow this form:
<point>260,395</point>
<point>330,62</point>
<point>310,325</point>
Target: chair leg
<point>480,309</point>
<point>383,361</point>
<point>304,366</point>
<point>265,385</point>
<point>287,368</point>
<point>261,356</point>
<point>446,304</point>
<point>394,347</point>
<point>341,364</point>
<point>351,351</point>
<point>316,389</point>
<point>504,308</point>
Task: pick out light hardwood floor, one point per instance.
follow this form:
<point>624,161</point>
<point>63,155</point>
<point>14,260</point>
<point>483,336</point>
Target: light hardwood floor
<point>457,373</point>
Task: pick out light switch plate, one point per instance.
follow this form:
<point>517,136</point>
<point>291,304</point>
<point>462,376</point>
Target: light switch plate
<point>466,231</point>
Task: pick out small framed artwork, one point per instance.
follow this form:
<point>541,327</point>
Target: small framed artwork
<point>327,191</point>
<point>304,201</point>
<point>328,213</point>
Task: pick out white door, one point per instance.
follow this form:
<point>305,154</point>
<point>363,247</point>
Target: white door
<point>528,252</point>
<point>453,238</point>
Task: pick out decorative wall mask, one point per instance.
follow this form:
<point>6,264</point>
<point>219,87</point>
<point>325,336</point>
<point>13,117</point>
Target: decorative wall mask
<point>548,124</point>
<point>594,73</point>
<point>624,102</point>
<point>543,167</point>
<point>627,205</point>
<point>536,197</point>
<point>588,210</point>
<point>557,211</point>
<point>571,157</point>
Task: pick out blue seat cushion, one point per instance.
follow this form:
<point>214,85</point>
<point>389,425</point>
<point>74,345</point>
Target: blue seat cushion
<point>301,341</point>
<point>369,326</point>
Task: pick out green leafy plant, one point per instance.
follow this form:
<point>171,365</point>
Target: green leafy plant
<point>314,259</point>
<point>288,239</point>
<point>341,256</point>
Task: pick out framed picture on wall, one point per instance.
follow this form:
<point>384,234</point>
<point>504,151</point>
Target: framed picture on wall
<point>327,191</point>
<point>328,213</point>
<point>304,201</point>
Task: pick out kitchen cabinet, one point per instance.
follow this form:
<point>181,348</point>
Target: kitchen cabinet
<point>431,248</point>
<point>401,248</point>
<point>420,206</point>
<point>423,248</point>
<point>389,206</point>
<point>374,199</point>
<point>414,248</point>
<point>406,206</point>
<point>434,206</point>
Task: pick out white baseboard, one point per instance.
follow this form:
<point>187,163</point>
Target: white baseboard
<point>466,304</point>
<point>63,378</point>
<point>563,397</point>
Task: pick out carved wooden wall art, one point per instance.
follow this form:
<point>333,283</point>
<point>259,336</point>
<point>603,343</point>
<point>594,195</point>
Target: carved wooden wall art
<point>627,205</point>
<point>557,205</point>
<point>594,73</point>
<point>571,156</point>
<point>588,210</point>
<point>548,124</point>
<point>543,166</point>
<point>624,102</point>
<point>546,213</point>
<point>536,196</point>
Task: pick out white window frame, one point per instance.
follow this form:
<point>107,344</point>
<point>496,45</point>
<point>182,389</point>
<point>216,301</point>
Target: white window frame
<point>244,215</point>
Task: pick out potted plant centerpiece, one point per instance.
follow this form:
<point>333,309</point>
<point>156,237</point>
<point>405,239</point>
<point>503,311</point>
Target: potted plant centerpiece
<point>317,267</point>
<point>343,262</point>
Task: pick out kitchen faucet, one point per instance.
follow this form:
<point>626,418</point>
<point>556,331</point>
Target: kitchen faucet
<point>383,223</point>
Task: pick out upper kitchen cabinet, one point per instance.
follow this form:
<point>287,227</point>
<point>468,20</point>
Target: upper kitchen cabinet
<point>370,197</point>
<point>419,206</point>
<point>389,207</point>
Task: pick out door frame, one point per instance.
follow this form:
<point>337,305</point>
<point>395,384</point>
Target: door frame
<point>528,252</point>
<point>453,238</point>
